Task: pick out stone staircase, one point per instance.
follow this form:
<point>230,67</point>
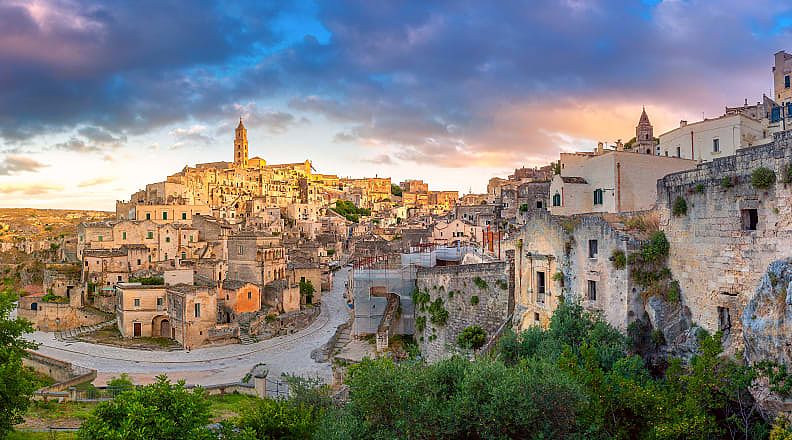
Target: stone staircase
<point>72,334</point>
<point>384,328</point>
<point>245,338</point>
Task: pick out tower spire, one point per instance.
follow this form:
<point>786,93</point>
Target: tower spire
<point>240,145</point>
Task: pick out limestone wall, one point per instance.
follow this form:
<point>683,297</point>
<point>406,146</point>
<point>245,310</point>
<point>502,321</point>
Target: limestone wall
<point>552,245</point>
<point>717,261</point>
<point>456,286</point>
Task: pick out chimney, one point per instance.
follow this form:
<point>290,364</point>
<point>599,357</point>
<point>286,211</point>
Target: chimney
<point>682,123</point>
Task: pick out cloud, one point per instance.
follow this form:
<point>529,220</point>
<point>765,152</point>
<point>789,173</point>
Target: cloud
<point>76,145</point>
<point>95,182</point>
<point>380,159</point>
<point>271,120</point>
<point>14,164</point>
<point>29,189</point>
<point>192,135</point>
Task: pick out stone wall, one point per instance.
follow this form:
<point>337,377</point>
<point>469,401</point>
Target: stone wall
<point>548,245</point>
<point>717,260</point>
<point>456,286</point>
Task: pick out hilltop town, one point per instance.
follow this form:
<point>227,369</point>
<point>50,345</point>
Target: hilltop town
<point>663,236</point>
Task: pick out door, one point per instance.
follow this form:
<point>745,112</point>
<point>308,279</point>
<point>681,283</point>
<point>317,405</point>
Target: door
<point>164,328</point>
<point>136,329</point>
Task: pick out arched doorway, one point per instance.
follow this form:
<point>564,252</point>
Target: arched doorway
<point>160,326</point>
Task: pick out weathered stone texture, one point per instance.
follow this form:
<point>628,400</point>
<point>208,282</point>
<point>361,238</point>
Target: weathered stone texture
<point>554,244</point>
<point>717,261</point>
<point>490,313</point>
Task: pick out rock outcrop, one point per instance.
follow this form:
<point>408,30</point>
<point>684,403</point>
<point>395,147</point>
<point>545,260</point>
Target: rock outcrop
<point>767,330</point>
<point>767,318</point>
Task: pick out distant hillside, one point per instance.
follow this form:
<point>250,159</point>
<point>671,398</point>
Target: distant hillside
<point>29,223</point>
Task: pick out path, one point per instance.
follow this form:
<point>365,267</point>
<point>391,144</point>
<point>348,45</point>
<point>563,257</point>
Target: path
<point>213,365</point>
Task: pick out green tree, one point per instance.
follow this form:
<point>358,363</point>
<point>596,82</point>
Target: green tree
<point>472,337</point>
<point>162,410</point>
<point>396,190</point>
<point>307,290</point>
<point>17,383</point>
<point>273,419</point>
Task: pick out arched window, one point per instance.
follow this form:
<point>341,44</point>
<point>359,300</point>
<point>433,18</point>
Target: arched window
<point>557,199</point>
<point>597,196</point>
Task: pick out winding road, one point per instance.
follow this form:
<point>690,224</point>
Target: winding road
<point>212,365</point>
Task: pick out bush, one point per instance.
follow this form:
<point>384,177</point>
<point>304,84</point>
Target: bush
<point>473,337</point>
<point>480,283</point>
<point>762,178</point>
<point>438,315</point>
<point>52,298</point>
<point>474,300</point>
<point>656,249</point>
<point>674,292</point>
<point>679,208</point>
<point>699,188</point>
<point>148,281</point>
<point>420,323</point>
<point>727,182</point>
<point>558,277</point>
<point>619,259</point>
<point>524,208</point>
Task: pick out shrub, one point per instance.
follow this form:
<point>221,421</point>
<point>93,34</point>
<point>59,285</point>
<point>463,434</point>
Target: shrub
<point>52,298</point>
<point>727,182</point>
<point>438,315</point>
<point>503,284</point>
<point>473,337</point>
<point>699,188</point>
<point>762,178</point>
<point>148,281</point>
<point>679,208</point>
<point>524,208</point>
<point>657,247</point>
<point>480,283</point>
<point>474,300</point>
<point>420,323</point>
<point>619,259</point>
<point>673,294</point>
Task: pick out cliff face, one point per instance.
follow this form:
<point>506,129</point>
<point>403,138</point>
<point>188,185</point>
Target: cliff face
<point>767,318</point>
<point>767,329</point>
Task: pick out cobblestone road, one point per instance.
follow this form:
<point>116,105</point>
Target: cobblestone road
<point>212,365</point>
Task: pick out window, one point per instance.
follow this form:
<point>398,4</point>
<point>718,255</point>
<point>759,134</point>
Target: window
<point>724,319</point>
<point>167,239</point>
<point>536,317</point>
<point>786,81</point>
<point>150,235</point>
<point>556,199</point>
<point>123,235</point>
<point>191,238</point>
<point>138,261</point>
<point>539,204</point>
<point>184,216</point>
<point>149,259</point>
<point>592,290</point>
<point>197,310</point>
<point>540,287</point>
<point>148,216</point>
<point>101,238</point>
<point>597,196</point>
<point>750,218</point>
<point>159,302</point>
<point>164,215</point>
<point>716,145</point>
<point>184,255</point>
<point>250,295</point>
<point>593,248</point>
<point>240,250</point>
<point>137,302</point>
<point>679,152</point>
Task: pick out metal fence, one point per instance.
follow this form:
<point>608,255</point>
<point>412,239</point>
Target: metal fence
<point>96,394</point>
<point>277,389</point>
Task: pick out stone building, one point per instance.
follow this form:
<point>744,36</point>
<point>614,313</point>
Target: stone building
<point>572,257</point>
<point>193,314</point>
<point>609,181</point>
<point>238,297</point>
<point>712,138</point>
<point>256,257</point>
<point>142,311</point>
<point>782,70</point>
<point>644,136</point>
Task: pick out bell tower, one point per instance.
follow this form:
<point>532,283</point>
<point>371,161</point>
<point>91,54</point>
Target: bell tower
<point>240,145</point>
<point>644,136</point>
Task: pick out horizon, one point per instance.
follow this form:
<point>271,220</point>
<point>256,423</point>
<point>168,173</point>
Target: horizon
<point>109,98</point>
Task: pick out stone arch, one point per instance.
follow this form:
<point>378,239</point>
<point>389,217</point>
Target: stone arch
<point>160,326</point>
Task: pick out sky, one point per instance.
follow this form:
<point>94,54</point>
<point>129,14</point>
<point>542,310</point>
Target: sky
<point>98,98</point>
